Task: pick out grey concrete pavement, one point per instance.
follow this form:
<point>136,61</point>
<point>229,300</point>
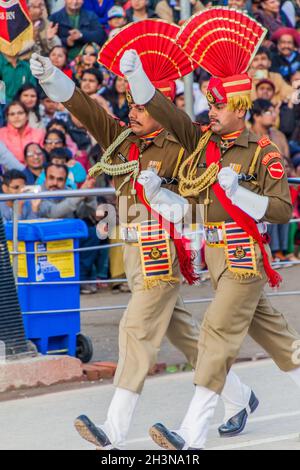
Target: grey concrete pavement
<point>45,422</point>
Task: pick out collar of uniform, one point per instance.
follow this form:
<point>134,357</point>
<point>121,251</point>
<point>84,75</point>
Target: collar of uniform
<point>243,140</point>
<point>158,141</point>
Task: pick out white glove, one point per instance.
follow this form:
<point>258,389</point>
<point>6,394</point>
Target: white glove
<point>130,62</point>
<point>229,181</point>
<point>141,87</point>
<point>151,182</point>
<point>41,67</point>
<point>170,205</point>
<point>54,82</point>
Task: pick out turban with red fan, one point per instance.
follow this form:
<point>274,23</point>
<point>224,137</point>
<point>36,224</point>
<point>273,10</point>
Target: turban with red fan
<point>223,41</point>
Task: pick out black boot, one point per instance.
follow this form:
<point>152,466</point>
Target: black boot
<point>237,423</point>
<point>91,433</point>
<point>166,439</point>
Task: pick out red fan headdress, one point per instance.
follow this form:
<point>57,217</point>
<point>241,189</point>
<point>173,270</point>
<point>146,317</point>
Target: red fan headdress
<point>224,41</point>
<point>154,40</point>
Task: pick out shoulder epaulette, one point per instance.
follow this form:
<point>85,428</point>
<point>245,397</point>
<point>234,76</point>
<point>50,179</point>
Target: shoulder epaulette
<point>264,142</point>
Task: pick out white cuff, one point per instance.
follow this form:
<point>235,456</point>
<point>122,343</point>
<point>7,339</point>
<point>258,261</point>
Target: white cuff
<point>141,88</point>
<point>170,205</point>
<point>58,87</point>
<point>253,204</point>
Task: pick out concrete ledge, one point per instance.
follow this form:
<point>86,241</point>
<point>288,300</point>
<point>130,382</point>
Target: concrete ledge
<point>39,371</point>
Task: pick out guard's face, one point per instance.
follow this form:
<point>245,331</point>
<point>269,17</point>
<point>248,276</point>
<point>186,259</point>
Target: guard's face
<point>223,121</point>
<point>141,122</point>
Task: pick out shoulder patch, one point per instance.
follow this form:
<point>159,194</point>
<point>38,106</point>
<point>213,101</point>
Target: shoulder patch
<point>264,142</point>
<point>270,156</point>
<point>276,170</point>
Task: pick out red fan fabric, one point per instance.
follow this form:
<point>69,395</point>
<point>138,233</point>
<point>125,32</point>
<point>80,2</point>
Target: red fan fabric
<point>221,40</point>
<point>154,40</point>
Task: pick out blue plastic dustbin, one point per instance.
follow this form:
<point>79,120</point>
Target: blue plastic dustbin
<point>52,333</point>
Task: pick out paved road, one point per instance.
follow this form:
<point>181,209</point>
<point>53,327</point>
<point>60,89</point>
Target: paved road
<point>102,326</point>
<point>45,422</point>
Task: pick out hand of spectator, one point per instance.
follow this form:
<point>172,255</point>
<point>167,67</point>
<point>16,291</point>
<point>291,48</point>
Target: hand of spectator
<point>130,62</point>
<point>41,67</point>
<point>75,34</point>
<point>35,204</point>
<point>71,163</point>
<point>52,30</point>
<point>89,183</point>
<point>100,212</point>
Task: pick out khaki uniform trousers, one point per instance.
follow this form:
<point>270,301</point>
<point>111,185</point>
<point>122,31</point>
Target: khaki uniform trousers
<point>151,314</point>
<point>239,307</point>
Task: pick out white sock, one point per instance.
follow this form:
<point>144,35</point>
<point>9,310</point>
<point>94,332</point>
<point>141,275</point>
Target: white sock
<point>119,416</point>
<point>235,395</point>
<point>195,425</point>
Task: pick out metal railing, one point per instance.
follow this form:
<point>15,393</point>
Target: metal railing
<point>92,193</point>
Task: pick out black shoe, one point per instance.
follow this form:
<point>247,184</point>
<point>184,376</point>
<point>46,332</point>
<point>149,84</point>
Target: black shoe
<point>237,423</point>
<point>166,439</point>
<point>91,433</point>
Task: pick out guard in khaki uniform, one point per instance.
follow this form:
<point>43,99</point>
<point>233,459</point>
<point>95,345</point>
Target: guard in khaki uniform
<point>241,182</point>
<point>153,256</point>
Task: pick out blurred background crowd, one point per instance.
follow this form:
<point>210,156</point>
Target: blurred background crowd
<point>44,145</point>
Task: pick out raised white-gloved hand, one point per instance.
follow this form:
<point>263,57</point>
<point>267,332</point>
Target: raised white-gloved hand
<point>229,181</point>
<point>170,205</point>
<point>41,67</point>
<point>141,87</point>
<point>151,182</point>
<point>57,86</point>
<point>251,203</point>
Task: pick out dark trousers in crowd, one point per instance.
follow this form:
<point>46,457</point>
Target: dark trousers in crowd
<point>93,263</point>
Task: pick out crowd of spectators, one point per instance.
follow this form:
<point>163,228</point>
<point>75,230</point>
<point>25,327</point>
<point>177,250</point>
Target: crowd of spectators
<point>42,144</point>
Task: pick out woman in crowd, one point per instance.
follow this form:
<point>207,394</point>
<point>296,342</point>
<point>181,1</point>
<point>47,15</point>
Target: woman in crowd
<point>59,57</point>
<point>28,95</point>
<point>86,59</point>
<point>35,158</point>
<point>18,133</point>
<point>62,126</point>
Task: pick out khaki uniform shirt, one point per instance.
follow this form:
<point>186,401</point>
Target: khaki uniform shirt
<point>242,153</point>
<point>105,129</point>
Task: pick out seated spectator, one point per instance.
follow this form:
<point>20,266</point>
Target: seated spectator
<point>77,26</point>
<point>117,99</point>
<point>139,11</point>
<point>265,89</point>
<point>286,60</point>
<point>268,14</point>
<point>260,69</point>
<point>262,119</point>
<point>200,89</point>
<point>86,59</point>
<point>54,139</point>
<point>14,73</point>
<point>116,18</point>
<point>44,31</point>
<point>91,81</point>
<point>48,109</point>
<point>293,227</point>
<point>17,133</point>
<point>59,57</point>
<point>62,126</point>
<point>35,159</point>
<point>14,182</point>
<point>169,10</point>
<point>7,160</point>
<point>62,156</point>
<point>179,100</point>
<point>100,8</point>
<point>56,178</point>
<point>28,95</point>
